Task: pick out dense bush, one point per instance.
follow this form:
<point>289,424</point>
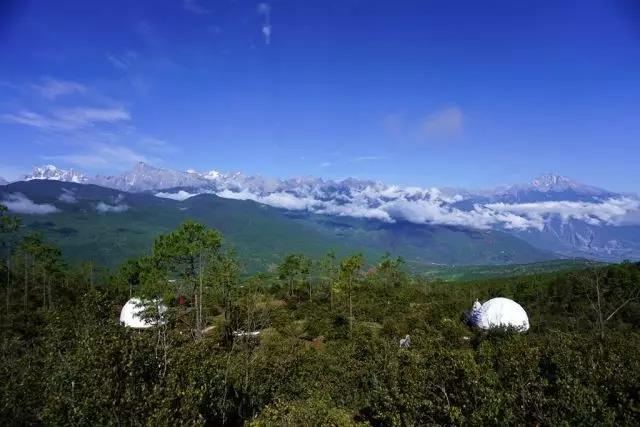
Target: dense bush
<point>66,360</point>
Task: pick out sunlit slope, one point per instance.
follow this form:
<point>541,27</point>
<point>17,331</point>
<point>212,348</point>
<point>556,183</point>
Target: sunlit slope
<point>108,226</point>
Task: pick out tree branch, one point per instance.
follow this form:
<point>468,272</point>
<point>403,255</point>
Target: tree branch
<point>620,307</point>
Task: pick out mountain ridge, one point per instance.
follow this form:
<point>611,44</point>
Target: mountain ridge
<point>91,222</point>
<point>145,177</point>
<point>552,212</point>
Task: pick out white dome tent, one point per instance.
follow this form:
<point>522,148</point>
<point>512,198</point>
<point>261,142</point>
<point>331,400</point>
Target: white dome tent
<point>131,314</point>
<point>499,312</point>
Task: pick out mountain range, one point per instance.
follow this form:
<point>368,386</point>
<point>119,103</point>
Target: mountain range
<point>552,213</point>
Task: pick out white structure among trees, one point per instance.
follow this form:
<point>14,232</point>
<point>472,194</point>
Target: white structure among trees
<point>132,314</point>
<point>499,312</point>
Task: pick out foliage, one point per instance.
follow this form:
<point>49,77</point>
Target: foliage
<point>268,351</point>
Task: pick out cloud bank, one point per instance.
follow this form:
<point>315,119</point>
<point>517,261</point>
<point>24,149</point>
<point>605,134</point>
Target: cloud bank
<point>117,207</point>
<point>67,196</point>
<point>19,203</point>
<point>391,203</point>
<point>179,196</point>
<point>431,206</point>
<point>612,211</point>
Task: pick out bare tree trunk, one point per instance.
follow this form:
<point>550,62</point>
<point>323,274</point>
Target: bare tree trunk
<point>44,289</point>
<point>599,299</point>
<point>350,309</point>
<point>199,302</point>
<point>330,295</point>
<point>162,346</point>
<point>26,273</point>
<point>226,308</point>
<point>50,296</point>
<point>8,283</point>
<point>592,282</point>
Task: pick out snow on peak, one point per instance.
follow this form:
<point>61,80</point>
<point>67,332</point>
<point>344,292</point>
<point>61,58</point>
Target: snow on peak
<point>142,166</point>
<point>212,175</point>
<point>51,172</point>
<point>513,208</point>
<point>552,182</point>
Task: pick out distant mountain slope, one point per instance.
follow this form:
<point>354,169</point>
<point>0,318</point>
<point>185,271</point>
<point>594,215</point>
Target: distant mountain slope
<point>548,187</point>
<point>95,223</point>
<point>579,238</point>
<point>479,272</point>
<point>580,221</point>
<point>552,212</point>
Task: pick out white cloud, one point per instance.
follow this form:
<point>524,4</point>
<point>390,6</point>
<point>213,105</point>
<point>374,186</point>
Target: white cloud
<point>276,199</point>
<point>266,32</point>
<point>68,119</point>
<point>445,123</point>
<point>612,211</point>
<point>102,207</point>
<point>368,158</point>
<point>431,206</point>
<point>83,116</point>
<point>155,144</point>
<point>325,164</point>
<point>287,201</point>
<point>27,118</point>
<point>238,195</point>
<point>98,132</point>
<point>101,155</point>
<point>354,210</point>
<point>194,7</point>
<point>179,196</point>
<point>51,89</point>
<point>19,203</point>
<point>123,61</point>
<point>264,9</point>
<point>67,196</point>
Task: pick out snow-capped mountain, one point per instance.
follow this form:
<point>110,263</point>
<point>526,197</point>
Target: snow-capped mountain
<point>211,175</point>
<point>53,173</point>
<point>555,183</point>
<point>552,212</point>
<point>3,181</point>
<point>144,177</point>
<point>548,186</point>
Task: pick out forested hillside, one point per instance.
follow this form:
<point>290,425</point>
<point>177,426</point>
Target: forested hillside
<point>325,343</point>
<point>105,226</point>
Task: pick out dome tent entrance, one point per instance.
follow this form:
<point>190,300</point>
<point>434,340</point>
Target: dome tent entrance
<point>499,312</point>
<point>132,313</point>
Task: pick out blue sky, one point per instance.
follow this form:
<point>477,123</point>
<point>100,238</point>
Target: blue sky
<point>430,93</point>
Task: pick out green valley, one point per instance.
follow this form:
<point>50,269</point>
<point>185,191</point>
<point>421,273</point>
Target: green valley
<point>108,226</point>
